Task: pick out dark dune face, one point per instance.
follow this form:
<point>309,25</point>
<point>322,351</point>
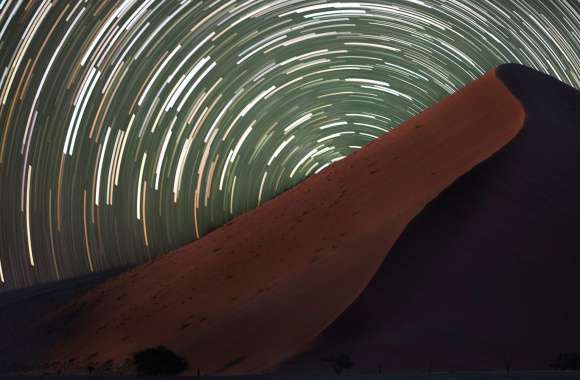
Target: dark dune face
<point>486,276</point>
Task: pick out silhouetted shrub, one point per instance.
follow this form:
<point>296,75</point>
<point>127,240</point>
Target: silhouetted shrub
<point>567,361</point>
<point>507,363</point>
<point>340,363</point>
<point>158,361</point>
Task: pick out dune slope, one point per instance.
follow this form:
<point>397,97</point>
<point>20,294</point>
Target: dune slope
<point>486,276</point>
<point>250,294</point>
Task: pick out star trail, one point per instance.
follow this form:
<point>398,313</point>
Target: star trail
<point>128,128</point>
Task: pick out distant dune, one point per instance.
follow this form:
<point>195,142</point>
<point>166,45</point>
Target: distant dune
<point>257,291</point>
<point>487,275</point>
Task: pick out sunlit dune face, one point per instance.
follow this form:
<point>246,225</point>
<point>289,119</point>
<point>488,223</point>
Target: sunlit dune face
<point>262,288</point>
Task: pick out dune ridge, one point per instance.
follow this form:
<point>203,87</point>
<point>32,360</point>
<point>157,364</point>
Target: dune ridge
<point>486,276</point>
<point>253,293</point>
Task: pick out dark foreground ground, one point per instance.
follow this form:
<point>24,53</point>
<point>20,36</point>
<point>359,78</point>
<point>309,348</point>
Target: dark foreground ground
<point>539,375</point>
<point>488,275</point>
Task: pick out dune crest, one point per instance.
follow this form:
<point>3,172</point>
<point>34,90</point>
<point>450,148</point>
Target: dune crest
<point>262,288</point>
<point>486,276</point>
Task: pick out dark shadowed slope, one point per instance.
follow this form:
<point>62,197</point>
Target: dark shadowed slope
<point>20,309</point>
<point>260,289</point>
<point>488,275</point>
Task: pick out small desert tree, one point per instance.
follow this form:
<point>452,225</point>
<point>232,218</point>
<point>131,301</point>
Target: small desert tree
<point>567,362</point>
<point>340,363</point>
<point>157,361</point>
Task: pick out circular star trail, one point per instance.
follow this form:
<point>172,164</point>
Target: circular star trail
<point>128,128</point>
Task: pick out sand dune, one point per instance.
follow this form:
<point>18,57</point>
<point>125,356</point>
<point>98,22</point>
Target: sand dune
<point>486,276</point>
<point>251,294</point>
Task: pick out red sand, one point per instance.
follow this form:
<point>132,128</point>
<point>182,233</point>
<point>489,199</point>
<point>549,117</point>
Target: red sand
<point>486,275</point>
<point>253,293</point>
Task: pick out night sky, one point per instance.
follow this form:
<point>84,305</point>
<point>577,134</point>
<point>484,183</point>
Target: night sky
<point>128,128</point>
